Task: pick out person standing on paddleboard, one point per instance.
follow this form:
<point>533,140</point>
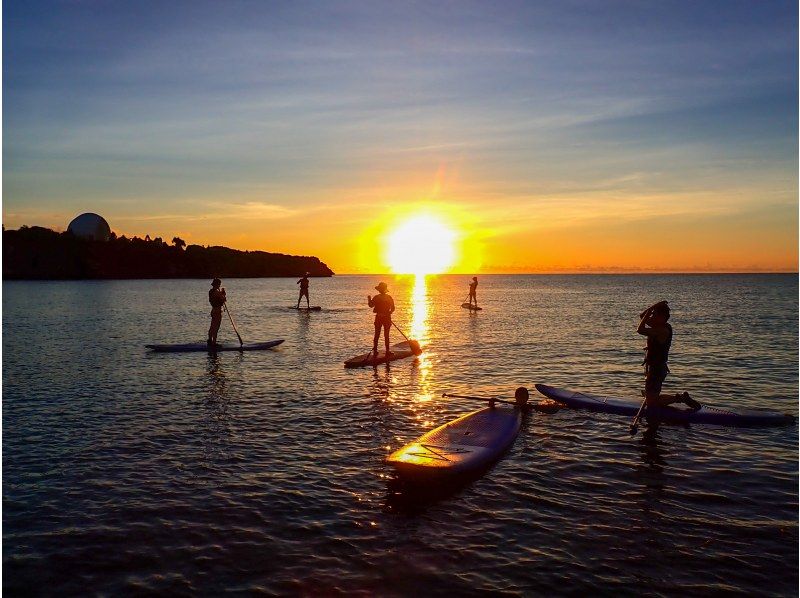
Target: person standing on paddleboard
<point>216,297</point>
<point>654,325</point>
<point>383,307</point>
<point>473,287</point>
<point>303,282</point>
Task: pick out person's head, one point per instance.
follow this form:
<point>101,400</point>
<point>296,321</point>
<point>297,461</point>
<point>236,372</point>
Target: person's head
<point>521,396</point>
<point>381,288</point>
<point>305,275</point>
<point>660,313</point>
<point>216,283</point>
<point>475,278</point>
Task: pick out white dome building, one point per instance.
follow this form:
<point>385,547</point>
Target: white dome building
<point>90,226</point>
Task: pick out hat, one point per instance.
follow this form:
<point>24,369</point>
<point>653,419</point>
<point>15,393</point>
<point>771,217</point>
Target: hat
<point>381,287</point>
<point>474,278</point>
<point>216,282</point>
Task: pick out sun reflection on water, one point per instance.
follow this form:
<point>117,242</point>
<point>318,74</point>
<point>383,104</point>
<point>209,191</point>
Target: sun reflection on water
<point>419,331</point>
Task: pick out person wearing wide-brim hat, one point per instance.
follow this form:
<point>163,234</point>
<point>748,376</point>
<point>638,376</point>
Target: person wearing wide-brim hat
<point>383,307</point>
<point>217,298</point>
<point>473,287</point>
<point>303,282</point>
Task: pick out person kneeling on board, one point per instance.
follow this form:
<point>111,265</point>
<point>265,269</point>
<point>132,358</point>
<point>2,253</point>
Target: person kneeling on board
<point>473,288</point>
<point>655,327</point>
<point>303,282</point>
<point>216,297</point>
<point>383,306</point>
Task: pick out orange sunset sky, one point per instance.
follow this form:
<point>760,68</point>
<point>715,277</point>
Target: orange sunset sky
<point>544,140</point>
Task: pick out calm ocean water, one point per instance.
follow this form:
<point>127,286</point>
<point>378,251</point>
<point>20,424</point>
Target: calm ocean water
<point>128,472</point>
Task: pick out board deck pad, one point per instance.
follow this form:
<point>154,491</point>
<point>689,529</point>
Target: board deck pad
<point>471,307</point>
<point>204,348</point>
<point>399,350</point>
<point>465,445</point>
<point>677,413</point>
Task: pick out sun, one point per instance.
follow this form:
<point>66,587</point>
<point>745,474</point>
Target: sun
<point>422,244</point>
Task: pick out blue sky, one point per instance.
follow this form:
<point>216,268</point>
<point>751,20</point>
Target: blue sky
<point>215,118</point>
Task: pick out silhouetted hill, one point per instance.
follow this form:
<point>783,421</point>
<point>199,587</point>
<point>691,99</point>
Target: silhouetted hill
<point>40,253</point>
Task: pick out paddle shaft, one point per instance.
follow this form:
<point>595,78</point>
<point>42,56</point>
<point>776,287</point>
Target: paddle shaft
<point>401,332</point>
<point>484,399</point>
<point>230,317</point>
<point>635,424</point>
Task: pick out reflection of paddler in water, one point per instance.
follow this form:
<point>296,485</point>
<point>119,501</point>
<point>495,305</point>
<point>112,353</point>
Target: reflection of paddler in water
<point>654,326</point>
<point>473,287</point>
<point>216,297</point>
<point>303,282</point>
<point>383,306</point>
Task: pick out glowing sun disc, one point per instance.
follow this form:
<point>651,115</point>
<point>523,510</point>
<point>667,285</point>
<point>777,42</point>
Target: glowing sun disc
<point>421,245</point>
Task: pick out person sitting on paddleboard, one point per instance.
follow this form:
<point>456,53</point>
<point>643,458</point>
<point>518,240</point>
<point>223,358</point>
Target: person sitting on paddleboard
<point>659,339</point>
<point>216,297</point>
<point>383,306</point>
<point>303,282</point>
<point>473,287</point>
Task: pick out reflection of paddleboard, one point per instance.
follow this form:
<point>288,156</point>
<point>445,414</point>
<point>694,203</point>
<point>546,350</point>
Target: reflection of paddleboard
<point>203,347</point>
<point>399,351</point>
<point>471,306</point>
<point>465,445</point>
<point>312,308</point>
<point>672,413</point>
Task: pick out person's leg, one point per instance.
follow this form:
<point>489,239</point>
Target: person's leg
<point>653,384</point>
<point>308,303</point>
<point>386,336</point>
<point>376,337</point>
<point>216,320</point>
<point>299,298</point>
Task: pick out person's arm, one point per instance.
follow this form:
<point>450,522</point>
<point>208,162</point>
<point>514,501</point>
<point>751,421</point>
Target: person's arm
<point>369,301</point>
<point>391,309</point>
<point>299,281</point>
<point>643,329</point>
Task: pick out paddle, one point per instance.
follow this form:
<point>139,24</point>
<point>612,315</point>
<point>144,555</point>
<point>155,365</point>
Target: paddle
<point>537,406</point>
<point>413,344</point>
<point>227,311</point>
<point>635,424</point>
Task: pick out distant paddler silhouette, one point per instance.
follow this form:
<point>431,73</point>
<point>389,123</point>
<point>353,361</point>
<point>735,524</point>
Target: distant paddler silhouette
<point>303,282</point>
<point>217,298</point>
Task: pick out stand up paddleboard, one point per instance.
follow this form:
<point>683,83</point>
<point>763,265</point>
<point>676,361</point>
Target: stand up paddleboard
<point>312,308</point>
<point>677,413</point>
<point>471,307</point>
<point>204,348</point>
<point>464,446</point>
<point>399,351</point>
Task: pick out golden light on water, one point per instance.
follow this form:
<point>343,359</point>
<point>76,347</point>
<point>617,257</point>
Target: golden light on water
<point>422,244</point>
<point>419,308</point>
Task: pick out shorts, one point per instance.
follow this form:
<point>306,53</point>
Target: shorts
<point>654,378</point>
<point>384,320</point>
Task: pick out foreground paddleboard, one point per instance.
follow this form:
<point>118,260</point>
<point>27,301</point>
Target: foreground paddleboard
<point>312,308</point>
<point>678,413</point>
<point>463,446</point>
<point>399,351</point>
<point>471,307</point>
<point>204,348</point>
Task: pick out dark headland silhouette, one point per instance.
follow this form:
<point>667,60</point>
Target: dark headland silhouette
<point>40,253</point>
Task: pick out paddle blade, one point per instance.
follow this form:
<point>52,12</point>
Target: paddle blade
<point>415,348</point>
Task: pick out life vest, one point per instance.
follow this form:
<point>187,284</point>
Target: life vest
<point>656,353</point>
